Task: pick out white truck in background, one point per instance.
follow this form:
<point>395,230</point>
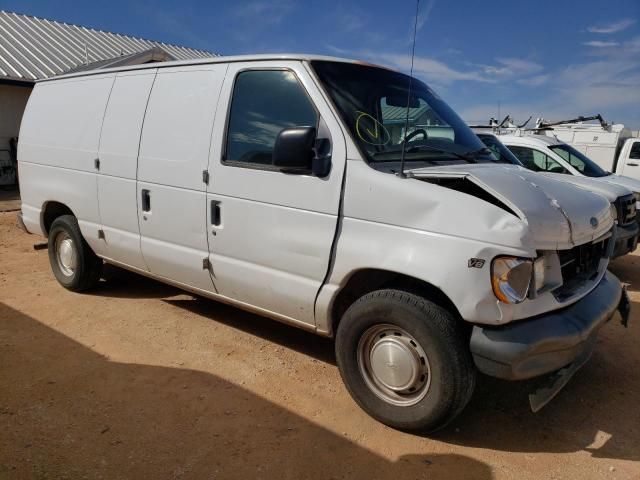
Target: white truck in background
<point>611,146</point>
<point>556,159</point>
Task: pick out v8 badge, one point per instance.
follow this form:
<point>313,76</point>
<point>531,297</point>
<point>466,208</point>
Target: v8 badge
<point>475,263</point>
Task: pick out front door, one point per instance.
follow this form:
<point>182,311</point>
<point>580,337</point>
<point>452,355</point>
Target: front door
<point>630,159</point>
<point>270,232</point>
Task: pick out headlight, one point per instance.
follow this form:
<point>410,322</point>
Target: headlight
<point>614,212</point>
<point>510,278</point>
<point>637,195</point>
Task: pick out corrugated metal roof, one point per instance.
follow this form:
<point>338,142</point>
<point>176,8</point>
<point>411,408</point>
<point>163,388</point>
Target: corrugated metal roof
<point>34,48</point>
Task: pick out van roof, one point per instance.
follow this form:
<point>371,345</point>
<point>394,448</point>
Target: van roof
<point>210,60</point>
<point>531,139</point>
<point>482,131</point>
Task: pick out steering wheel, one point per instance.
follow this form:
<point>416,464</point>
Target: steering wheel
<point>415,133</point>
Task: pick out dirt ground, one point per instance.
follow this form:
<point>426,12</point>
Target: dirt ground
<point>9,198</point>
<point>140,380</point>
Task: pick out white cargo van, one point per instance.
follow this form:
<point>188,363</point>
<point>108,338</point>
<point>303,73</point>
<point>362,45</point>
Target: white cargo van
<point>273,183</point>
<point>611,146</point>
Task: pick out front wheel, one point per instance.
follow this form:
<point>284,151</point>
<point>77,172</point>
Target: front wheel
<point>74,264</point>
<point>405,360</point>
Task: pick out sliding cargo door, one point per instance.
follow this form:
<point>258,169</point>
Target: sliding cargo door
<point>171,194</point>
<point>118,156</point>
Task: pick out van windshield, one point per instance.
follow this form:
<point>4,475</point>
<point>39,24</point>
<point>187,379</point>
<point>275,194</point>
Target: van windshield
<point>579,161</point>
<point>373,101</point>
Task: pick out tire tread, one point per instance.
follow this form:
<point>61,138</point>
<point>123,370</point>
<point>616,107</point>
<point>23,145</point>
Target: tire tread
<point>89,266</point>
<point>450,332</point>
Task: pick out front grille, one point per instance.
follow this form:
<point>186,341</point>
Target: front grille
<point>626,209</point>
<point>579,265</point>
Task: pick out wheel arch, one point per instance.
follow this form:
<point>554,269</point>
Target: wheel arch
<point>367,280</point>
<point>51,210</point>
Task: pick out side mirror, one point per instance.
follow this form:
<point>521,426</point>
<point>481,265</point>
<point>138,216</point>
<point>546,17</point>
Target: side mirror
<point>293,150</point>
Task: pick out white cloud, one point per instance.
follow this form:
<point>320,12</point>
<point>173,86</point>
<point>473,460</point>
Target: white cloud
<point>603,84</point>
<point>424,12</point>
<point>348,22</point>
<point>613,27</point>
<point>534,81</point>
<point>600,72</point>
<point>512,67</point>
<point>269,12</point>
<point>608,85</point>
<point>423,16</point>
<point>429,68</point>
<point>440,73</point>
<point>632,45</point>
<point>601,44</point>
<point>339,51</point>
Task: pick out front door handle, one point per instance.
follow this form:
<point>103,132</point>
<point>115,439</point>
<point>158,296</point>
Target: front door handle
<point>216,216</point>
<point>146,200</point>
<point>632,164</point>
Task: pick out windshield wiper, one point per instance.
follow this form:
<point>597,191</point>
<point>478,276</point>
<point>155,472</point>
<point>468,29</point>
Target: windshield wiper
<point>466,156</point>
<point>470,157</point>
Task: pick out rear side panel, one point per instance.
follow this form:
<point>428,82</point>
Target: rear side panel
<point>58,145</point>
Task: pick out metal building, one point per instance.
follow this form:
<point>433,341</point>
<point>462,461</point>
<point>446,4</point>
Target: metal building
<point>34,48</point>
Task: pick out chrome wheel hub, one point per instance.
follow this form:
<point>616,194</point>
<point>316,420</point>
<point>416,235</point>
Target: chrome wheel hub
<point>394,366</point>
<point>66,254</point>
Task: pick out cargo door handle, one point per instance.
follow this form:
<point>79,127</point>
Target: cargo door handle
<point>216,218</point>
<point>146,200</point>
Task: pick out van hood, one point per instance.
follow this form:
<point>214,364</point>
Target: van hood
<point>620,180</point>
<point>610,189</point>
<point>559,214</point>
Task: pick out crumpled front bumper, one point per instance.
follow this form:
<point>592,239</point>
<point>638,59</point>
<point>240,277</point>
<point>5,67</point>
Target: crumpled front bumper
<point>543,344</point>
<point>626,239</point>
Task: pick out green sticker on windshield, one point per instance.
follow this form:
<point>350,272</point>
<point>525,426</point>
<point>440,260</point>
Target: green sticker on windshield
<point>370,130</point>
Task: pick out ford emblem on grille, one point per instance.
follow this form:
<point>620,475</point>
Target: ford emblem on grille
<point>594,222</point>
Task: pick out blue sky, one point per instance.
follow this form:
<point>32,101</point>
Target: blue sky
<point>546,58</point>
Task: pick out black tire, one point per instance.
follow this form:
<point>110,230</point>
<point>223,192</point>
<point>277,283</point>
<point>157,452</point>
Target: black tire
<point>438,335</point>
<point>87,265</point>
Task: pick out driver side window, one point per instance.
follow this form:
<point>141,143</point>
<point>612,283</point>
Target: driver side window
<point>536,160</point>
<point>264,102</point>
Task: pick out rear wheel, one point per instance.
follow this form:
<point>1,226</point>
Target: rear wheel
<point>405,360</point>
<point>74,264</point>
